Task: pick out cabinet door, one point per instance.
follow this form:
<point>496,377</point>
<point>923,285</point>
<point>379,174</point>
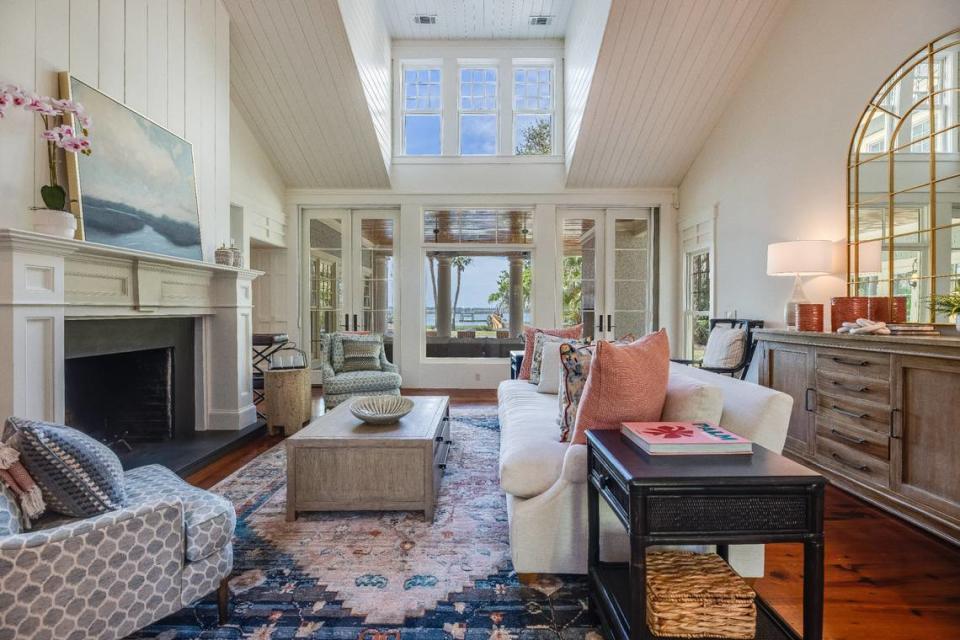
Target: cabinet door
<point>789,368</point>
<point>925,443</point>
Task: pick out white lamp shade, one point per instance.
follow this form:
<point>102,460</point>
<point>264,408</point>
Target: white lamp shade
<point>800,258</point>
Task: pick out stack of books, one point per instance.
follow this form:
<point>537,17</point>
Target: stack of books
<point>913,330</point>
<point>684,438</point>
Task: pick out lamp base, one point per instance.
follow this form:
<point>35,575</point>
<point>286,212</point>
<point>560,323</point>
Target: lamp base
<point>790,315</point>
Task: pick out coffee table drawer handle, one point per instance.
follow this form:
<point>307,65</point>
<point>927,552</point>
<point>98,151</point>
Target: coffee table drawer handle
<point>446,453</point>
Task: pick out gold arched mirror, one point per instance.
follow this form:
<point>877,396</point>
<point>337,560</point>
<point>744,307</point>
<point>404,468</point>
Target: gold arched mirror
<point>904,185</point>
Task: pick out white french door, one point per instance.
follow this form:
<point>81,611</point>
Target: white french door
<point>606,275</point>
<point>348,266</point>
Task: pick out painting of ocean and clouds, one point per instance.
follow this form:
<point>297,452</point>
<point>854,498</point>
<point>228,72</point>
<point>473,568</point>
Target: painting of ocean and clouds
<point>138,188</point>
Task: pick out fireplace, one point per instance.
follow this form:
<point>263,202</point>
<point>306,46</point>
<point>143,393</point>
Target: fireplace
<point>122,398</point>
<point>130,383</point>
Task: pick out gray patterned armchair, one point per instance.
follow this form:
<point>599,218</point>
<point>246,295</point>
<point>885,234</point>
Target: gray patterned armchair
<point>348,372</point>
<point>109,575</point>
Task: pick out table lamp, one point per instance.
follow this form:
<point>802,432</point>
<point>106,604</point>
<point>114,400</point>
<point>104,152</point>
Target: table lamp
<point>798,258</point>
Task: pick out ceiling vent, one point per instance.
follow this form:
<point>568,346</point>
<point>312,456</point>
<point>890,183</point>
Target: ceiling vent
<point>541,21</point>
<point>423,18</point>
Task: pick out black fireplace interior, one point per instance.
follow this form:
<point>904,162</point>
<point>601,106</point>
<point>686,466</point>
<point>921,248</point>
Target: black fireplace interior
<point>130,383</point>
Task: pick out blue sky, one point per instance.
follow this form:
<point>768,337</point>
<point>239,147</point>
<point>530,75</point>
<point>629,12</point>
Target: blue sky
<point>479,281</point>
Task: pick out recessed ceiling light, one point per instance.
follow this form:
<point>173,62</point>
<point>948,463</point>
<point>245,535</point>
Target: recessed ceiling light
<point>423,18</point>
<point>541,21</point>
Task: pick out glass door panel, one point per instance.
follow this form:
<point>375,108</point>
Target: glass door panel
<point>627,306</point>
<point>374,282</point>
<point>581,246</point>
<point>326,244</point>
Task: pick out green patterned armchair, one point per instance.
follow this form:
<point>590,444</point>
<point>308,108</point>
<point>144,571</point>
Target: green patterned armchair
<point>356,365</point>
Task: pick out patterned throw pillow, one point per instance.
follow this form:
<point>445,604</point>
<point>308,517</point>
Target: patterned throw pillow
<point>79,476</point>
<point>9,512</point>
<point>575,367</point>
<point>361,352</point>
<point>540,339</point>
<point>573,333</point>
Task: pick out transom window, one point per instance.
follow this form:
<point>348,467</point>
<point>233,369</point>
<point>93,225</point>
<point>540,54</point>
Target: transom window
<point>422,111</point>
<point>478,111</point>
<point>533,110</point>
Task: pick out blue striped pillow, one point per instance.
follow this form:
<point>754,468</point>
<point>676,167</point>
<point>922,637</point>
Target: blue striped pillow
<point>79,476</point>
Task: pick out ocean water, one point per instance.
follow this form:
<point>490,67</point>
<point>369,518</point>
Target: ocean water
<point>145,239</point>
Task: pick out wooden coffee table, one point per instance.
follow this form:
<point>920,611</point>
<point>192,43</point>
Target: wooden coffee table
<point>339,463</point>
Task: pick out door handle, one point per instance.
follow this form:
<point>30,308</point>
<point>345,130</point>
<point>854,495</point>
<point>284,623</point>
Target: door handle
<point>600,326</point>
<point>850,414</point>
<point>896,424</point>
<point>807,405</point>
<point>354,322</point>
<point>609,322</point>
<point>346,322</point>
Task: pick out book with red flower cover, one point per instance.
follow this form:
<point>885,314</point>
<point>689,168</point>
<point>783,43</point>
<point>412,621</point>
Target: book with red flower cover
<point>684,438</point>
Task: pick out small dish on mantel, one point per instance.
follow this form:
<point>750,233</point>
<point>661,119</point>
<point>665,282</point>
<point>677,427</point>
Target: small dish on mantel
<point>380,409</point>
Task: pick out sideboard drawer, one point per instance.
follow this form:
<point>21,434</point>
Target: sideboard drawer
<point>852,462</point>
<point>853,387</point>
<point>864,364</point>
<point>853,413</point>
<point>869,442</point>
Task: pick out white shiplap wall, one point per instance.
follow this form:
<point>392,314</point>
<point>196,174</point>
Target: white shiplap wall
<point>588,21</point>
<point>168,59</point>
<point>665,72</point>
<point>370,43</point>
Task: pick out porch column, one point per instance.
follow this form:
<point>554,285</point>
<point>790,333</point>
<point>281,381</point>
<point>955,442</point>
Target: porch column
<point>516,295</point>
<point>444,319</point>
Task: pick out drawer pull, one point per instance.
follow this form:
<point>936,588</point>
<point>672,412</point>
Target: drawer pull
<point>852,363</point>
<point>846,387</point>
<point>858,467</point>
<point>847,438</point>
<point>850,414</point>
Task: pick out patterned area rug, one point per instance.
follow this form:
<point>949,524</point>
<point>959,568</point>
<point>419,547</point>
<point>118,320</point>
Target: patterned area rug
<point>347,575</point>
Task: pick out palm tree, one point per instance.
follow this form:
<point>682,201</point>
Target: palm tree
<point>460,262</point>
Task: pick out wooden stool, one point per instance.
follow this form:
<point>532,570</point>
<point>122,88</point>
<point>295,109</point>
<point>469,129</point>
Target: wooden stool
<point>288,399</point>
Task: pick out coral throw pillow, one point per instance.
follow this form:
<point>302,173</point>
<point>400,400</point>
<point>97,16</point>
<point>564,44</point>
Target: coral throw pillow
<point>626,383</point>
<point>529,335</point>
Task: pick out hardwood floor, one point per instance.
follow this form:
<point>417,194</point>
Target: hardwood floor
<point>885,579</point>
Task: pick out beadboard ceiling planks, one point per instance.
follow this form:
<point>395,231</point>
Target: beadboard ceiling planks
<point>295,80</point>
<point>665,71</point>
<point>485,19</point>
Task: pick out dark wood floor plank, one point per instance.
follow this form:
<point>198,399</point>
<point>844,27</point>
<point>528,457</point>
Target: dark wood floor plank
<point>885,579</point>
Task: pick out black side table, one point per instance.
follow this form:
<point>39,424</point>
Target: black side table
<point>516,361</point>
<point>695,500</point>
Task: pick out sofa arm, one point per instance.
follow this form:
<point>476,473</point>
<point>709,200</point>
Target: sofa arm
<point>136,550</point>
<point>575,464</point>
<point>327,373</point>
<point>389,367</point>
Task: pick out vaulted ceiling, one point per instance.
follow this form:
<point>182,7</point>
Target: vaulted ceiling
<point>665,71</point>
<point>312,78</point>
<point>296,81</point>
<point>464,19</point>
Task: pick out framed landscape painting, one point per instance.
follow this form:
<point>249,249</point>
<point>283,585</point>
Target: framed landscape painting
<point>138,188</point>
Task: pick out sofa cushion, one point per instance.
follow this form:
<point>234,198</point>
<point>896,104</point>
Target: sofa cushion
<point>725,347</point>
<point>358,382</point>
<point>574,369</point>
<point>540,341</point>
<point>208,519</point>
<point>78,476</point>
<point>626,382</point>
<point>550,369</point>
<point>528,344</point>
<point>531,457</point>
<point>691,400</point>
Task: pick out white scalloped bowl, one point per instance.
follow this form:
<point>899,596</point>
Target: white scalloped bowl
<point>381,409</point>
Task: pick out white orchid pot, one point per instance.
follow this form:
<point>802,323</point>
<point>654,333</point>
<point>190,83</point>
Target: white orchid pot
<point>54,222</point>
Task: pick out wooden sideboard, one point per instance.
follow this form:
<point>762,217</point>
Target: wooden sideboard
<point>878,415</point>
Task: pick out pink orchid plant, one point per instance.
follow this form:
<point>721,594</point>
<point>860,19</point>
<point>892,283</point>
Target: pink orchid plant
<point>58,132</point>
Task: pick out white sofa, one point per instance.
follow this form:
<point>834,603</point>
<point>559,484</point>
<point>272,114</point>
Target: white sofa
<point>545,479</point>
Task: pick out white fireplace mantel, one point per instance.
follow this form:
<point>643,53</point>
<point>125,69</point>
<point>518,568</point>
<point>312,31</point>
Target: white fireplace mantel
<point>45,281</point>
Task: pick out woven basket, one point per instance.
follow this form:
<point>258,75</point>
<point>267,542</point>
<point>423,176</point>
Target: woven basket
<point>697,595</point>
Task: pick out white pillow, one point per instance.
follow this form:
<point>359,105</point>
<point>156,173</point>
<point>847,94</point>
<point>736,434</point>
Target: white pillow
<point>690,400</point>
<point>724,347</point>
<point>550,368</point>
